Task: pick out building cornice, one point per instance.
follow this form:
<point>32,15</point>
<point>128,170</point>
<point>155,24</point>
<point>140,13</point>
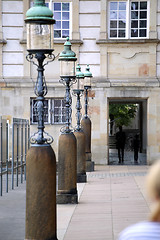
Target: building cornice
<point>57,42</point>
<point>3,41</point>
<point>127,41</point>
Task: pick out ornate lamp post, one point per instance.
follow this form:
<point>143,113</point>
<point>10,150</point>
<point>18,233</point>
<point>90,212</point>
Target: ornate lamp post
<point>67,147</point>
<point>86,122</point>
<point>41,162</point>
<point>78,132</point>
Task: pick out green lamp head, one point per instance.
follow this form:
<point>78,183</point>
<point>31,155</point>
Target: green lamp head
<point>67,60</point>
<point>67,54</point>
<point>87,72</point>
<point>79,74</point>
<point>39,13</point>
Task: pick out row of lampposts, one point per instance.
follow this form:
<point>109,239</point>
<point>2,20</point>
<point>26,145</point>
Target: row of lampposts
<point>73,147</point>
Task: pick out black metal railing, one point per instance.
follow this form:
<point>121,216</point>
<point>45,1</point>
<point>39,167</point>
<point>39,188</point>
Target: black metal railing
<point>14,143</point>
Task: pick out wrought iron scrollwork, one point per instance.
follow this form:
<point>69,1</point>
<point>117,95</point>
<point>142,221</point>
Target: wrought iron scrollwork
<point>40,91</point>
<point>78,93</point>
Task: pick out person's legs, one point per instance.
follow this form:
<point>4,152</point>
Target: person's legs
<point>119,154</point>
<point>122,154</point>
<point>135,155</point>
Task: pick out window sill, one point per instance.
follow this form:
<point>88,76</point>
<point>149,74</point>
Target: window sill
<point>124,41</point>
<point>56,41</point>
<point>62,41</point>
<point>2,41</point>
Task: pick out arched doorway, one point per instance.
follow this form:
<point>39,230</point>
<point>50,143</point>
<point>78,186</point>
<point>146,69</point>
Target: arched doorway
<point>137,126</point>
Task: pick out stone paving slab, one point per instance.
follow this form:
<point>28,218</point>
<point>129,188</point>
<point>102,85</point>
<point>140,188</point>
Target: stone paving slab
<point>113,198</point>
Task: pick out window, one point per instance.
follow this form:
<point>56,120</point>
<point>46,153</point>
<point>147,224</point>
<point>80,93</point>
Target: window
<point>54,111</point>
<point>128,19</point>
<point>58,111</point>
<point>62,17</point>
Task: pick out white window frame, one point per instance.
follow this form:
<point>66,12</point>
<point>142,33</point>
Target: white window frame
<point>50,2</point>
<point>50,111</point>
<point>128,19</point>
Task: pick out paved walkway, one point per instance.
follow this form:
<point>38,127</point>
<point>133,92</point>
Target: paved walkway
<point>113,198</point>
<point>128,158</point>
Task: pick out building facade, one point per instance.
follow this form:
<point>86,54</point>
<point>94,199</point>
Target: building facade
<point>119,39</point>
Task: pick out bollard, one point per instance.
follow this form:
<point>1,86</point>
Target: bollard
<point>86,126</point>
<point>81,156</point>
<point>41,193</point>
<point>67,169</point>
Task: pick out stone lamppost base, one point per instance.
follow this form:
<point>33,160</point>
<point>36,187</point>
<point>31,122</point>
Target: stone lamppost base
<point>81,178</point>
<point>67,169</point>
<point>89,163</point>
<point>40,193</point>
<point>89,166</point>
<point>67,198</point>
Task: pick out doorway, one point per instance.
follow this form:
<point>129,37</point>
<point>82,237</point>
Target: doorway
<point>131,114</point>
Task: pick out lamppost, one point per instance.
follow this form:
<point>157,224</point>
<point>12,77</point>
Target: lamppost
<point>41,161</point>
<point>67,146</point>
<point>86,122</point>
<point>78,132</point>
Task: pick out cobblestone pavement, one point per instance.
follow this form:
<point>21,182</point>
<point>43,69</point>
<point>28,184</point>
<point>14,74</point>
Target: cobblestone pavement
<point>128,158</point>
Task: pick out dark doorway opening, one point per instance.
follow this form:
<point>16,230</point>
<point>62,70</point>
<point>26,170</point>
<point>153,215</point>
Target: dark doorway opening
<point>136,127</point>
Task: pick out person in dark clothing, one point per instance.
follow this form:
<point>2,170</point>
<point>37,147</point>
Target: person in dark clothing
<point>136,147</point>
<point>120,138</point>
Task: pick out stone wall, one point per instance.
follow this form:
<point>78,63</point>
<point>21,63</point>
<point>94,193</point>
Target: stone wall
<point>122,69</point>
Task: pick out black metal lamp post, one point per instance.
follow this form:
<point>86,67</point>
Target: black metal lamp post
<point>41,161</point>
<point>67,146</point>
<point>78,132</point>
<point>86,122</point>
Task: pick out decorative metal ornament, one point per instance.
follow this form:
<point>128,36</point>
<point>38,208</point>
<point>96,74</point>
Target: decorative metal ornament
<point>40,91</point>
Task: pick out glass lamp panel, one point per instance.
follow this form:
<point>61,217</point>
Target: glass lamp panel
<point>39,36</point>
<point>67,68</point>
<point>87,81</point>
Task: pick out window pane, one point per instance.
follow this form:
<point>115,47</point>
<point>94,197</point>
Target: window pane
<point>113,15</point>
<point>121,33</point>
<point>122,24</point>
<point>65,33</point>
<point>65,16</point>
<point>63,111</point>
<point>57,25</point>
<point>122,6</point>
<point>134,24</point>
<point>143,24</point>
<point>142,32</point>
<point>57,34</point>
<point>122,15</point>
<point>134,33</point>
<point>63,103</point>
<point>46,118</point>
<point>63,119</point>
<point>65,24</point>
<point>143,14</point>
<point>113,24</point>
<point>57,6</point>
<point>143,5</point>
<point>57,103</point>
<point>134,6</point>
<point>113,5</point>
<point>134,15</point>
<point>57,15</point>
<point>57,111</point>
<point>35,119</point>
<point>65,6</point>
<point>113,33</point>
<point>56,119</point>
